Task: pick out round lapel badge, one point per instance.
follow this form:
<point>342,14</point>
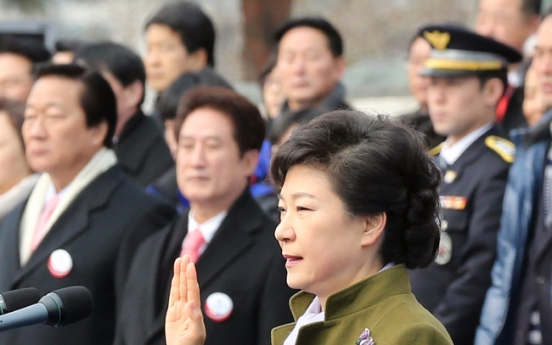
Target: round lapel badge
<point>60,263</point>
<point>218,306</point>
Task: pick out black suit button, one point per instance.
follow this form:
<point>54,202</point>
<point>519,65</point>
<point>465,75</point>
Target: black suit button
<point>540,280</point>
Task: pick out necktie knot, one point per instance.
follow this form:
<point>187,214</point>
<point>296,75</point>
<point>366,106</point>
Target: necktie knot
<point>193,244</point>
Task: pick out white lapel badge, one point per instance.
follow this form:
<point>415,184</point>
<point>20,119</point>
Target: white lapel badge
<point>60,263</point>
<point>218,306</point>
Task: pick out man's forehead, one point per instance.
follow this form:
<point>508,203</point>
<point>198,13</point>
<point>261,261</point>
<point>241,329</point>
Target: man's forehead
<point>201,136</point>
<point>10,58</point>
<point>161,32</point>
<point>54,88</point>
<point>500,5</point>
<point>459,78</point>
<point>208,120</point>
<point>545,30</point>
<point>58,79</point>
<point>292,38</point>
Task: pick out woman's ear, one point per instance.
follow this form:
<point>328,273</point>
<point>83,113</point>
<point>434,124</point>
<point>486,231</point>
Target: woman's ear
<point>373,229</point>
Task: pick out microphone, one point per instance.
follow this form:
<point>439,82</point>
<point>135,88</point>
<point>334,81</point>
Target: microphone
<point>58,308</point>
<point>17,299</point>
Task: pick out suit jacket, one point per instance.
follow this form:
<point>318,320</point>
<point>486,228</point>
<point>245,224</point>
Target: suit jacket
<point>243,261</point>
<point>453,287</point>
<point>141,150</point>
<point>109,211</point>
<point>383,304</point>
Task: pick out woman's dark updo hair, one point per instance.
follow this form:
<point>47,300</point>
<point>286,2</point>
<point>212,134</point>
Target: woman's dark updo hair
<point>374,165</point>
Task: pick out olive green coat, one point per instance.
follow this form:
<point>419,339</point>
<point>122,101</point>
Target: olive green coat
<point>382,303</point>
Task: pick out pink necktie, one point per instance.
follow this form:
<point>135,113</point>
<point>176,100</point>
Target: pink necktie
<point>40,230</point>
<point>192,245</point>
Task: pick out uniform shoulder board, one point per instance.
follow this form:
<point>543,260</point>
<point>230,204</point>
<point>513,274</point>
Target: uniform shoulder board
<point>504,148</point>
<point>436,150</point>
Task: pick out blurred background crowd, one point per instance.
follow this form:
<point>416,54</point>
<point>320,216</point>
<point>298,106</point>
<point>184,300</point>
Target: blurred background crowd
<point>133,131</point>
<point>375,67</point>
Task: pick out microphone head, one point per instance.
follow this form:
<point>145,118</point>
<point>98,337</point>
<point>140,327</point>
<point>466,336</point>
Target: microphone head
<point>67,305</point>
<point>17,299</point>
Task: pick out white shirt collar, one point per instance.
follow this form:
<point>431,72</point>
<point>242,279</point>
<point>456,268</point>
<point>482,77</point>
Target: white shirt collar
<point>207,228</point>
<point>314,313</point>
<point>450,153</point>
<point>51,192</point>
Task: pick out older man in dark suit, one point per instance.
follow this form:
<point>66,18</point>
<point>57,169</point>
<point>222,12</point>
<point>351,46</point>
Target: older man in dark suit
<point>310,64</point>
<point>84,218</point>
<point>239,263</point>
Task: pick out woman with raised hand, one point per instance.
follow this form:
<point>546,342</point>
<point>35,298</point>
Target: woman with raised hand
<point>184,321</point>
<point>359,204</point>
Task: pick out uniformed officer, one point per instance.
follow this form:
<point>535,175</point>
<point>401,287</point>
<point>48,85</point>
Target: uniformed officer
<point>468,76</point>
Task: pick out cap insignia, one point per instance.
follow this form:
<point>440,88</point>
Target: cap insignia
<point>439,40</point>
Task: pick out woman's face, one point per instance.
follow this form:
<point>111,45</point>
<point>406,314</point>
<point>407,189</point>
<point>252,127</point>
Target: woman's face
<point>273,95</point>
<point>12,156</point>
<point>325,247</point>
<point>419,53</point>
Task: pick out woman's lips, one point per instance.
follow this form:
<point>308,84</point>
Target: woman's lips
<point>292,260</point>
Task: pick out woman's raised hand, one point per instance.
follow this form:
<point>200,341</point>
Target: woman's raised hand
<point>184,321</point>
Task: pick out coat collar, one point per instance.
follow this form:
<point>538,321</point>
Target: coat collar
<point>233,237</point>
<point>526,137</point>
<point>470,155</point>
<point>360,296</point>
<point>131,125</point>
<point>70,224</point>
<point>473,152</point>
<point>354,298</point>
<point>139,133</point>
<point>334,101</point>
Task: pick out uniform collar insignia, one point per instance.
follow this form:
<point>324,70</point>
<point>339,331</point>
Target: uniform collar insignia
<point>365,338</point>
<point>450,176</point>
<point>439,40</point>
